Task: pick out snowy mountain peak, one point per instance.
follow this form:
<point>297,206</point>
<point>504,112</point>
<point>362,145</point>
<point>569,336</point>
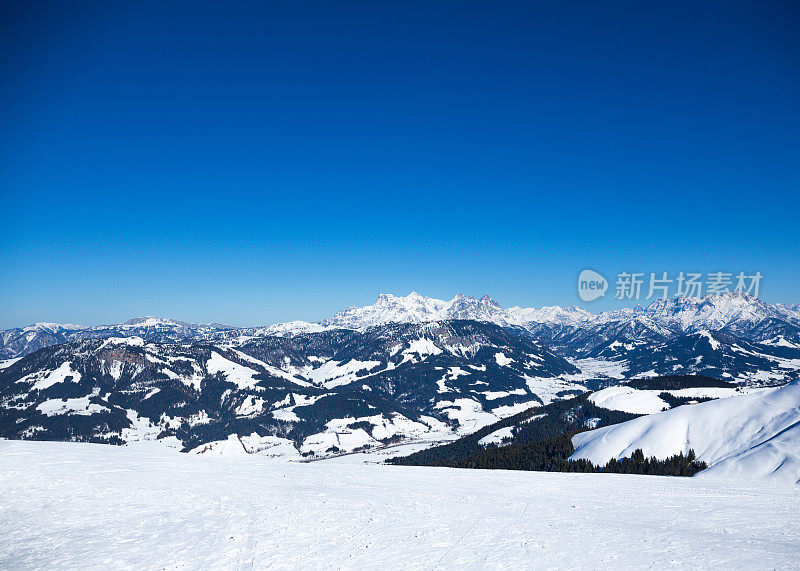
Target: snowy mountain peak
<point>52,327</point>
<point>414,308</point>
<point>714,311</point>
<point>551,314</point>
<point>151,321</point>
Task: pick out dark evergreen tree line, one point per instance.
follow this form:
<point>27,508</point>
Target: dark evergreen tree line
<point>552,455</point>
<point>674,401</point>
<point>677,382</point>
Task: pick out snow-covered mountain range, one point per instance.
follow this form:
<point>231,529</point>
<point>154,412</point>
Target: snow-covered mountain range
<point>732,335</point>
<point>403,367</point>
<point>23,340</point>
<point>678,314</point>
<point>738,312</point>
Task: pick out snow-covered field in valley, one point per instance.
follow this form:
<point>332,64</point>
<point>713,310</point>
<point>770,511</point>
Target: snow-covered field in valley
<point>93,506</point>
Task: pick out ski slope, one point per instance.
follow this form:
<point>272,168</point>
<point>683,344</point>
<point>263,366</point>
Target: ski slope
<point>752,436</point>
<point>86,506</point>
<point>628,399</point>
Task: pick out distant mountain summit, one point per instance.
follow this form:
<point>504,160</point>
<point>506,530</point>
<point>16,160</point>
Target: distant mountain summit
<point>715,311</point>
<point>416,308</point>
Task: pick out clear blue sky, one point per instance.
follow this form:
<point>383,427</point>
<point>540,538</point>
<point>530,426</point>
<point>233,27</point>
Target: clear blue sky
<point>255,163</point>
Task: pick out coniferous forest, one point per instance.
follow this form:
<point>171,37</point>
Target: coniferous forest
<point>552,455</point>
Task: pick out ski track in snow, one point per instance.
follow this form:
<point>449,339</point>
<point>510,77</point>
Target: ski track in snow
<point>84,506</point>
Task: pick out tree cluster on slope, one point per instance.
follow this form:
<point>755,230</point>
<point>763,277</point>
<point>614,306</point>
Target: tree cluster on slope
<point>674,401</point>
<point>677,382</point>
<point>552,455</point>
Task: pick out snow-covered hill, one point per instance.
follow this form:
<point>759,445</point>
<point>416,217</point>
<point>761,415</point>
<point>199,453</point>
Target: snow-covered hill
<point>755,436</point>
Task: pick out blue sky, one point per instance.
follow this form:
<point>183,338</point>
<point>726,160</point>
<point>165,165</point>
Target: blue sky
<point>271,161</point>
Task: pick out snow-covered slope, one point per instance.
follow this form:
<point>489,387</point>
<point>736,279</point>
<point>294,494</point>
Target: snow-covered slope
<point>628,399</point>
<point>750,436</point>
<point>84,506</point>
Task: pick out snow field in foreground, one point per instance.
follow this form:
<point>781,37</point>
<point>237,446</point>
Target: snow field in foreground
<point>93,506</point>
